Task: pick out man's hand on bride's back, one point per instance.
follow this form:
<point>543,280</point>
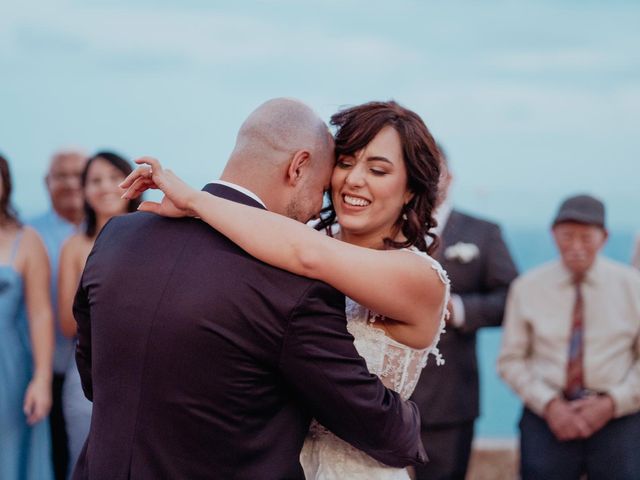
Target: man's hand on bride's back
<point>150,175</point>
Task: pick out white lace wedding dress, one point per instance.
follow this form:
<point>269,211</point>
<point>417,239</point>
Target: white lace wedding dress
<point>327,457</point>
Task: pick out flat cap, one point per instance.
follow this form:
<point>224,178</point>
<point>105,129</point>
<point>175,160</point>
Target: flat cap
<point>581,209</point>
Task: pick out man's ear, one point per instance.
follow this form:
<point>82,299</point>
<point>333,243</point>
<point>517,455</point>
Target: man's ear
<point>298,164</point>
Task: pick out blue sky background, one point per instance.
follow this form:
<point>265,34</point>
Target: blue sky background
<point>532,100</point>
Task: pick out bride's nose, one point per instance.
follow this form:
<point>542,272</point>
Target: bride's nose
<point>356,177</point>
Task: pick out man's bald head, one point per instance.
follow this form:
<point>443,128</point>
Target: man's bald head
<point>67,154</point>
<point>281,142</point>
<point>281,126</point>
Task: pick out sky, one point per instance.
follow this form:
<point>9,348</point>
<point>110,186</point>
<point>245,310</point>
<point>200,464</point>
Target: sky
<point>533,101</point>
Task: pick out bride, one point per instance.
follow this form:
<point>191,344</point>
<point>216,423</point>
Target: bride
<point>383,192</point>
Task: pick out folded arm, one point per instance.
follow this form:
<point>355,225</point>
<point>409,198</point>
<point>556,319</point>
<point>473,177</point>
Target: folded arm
<point>320,363</point>
<point>513,360</point>
<point>625,395</point>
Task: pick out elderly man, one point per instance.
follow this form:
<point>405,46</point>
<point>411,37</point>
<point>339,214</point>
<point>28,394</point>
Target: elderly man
<point>571,351</point>
<point>55,226</point>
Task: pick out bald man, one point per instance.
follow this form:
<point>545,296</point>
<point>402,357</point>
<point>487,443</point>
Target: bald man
<point>55,226</point>
<point>203,362</point>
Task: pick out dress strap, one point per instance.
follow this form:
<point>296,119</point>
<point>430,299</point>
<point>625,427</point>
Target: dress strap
<point>15,246</point>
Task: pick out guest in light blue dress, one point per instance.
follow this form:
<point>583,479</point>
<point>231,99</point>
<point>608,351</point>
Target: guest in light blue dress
<point>25,384</point>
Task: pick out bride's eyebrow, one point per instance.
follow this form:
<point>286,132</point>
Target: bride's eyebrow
<point>377,158</point>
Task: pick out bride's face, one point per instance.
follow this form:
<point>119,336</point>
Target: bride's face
<point>369,188</point>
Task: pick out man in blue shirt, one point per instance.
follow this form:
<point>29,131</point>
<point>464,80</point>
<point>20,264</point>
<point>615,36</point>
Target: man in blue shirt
<point>55,226</point>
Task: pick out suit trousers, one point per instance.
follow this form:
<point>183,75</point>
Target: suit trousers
<point>448,448</point>
<point>611,453</point>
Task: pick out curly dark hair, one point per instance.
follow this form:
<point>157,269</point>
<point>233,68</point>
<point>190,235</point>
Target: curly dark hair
<point>8,214</point>
<point>121,164</point>
<point>356,128</point>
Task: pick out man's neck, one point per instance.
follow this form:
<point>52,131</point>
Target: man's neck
<point>374,240</point>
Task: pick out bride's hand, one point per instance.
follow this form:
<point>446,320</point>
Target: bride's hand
<point>150,175</point>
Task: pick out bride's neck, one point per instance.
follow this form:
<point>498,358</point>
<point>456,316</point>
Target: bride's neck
<point>374,241</point>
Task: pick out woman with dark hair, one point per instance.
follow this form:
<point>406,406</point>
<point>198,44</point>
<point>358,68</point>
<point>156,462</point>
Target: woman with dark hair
<point>102,200</point>
<point>25,368</point>
<point>383,192</point>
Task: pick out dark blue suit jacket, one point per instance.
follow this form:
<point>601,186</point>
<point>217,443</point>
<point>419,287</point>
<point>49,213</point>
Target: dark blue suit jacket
<point>203,362</point>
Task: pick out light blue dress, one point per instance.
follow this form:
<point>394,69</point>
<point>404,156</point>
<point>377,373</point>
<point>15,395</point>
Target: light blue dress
<point>77,413</point>
<point>25,452</point>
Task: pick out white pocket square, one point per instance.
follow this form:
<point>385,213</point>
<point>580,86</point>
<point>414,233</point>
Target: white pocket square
<point>463,252</point>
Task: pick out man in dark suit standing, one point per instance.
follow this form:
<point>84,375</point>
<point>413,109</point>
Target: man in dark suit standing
<point>475,256</point>
<point>203,362</point>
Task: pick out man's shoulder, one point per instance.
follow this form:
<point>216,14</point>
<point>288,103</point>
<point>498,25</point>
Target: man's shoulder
<point>52,228</point>
<point>142,227</point>
<point>42,220</point>
<point>621,270</point>
<point>544,273</point>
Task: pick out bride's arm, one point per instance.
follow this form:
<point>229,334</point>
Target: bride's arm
<point>397,284</point>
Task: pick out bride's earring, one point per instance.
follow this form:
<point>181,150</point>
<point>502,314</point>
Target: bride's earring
<point>404,212</point>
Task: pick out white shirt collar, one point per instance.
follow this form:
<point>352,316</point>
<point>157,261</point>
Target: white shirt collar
<point>240,189</point>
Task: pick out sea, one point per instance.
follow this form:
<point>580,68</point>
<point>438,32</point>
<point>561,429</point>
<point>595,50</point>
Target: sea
<point>500,407</point>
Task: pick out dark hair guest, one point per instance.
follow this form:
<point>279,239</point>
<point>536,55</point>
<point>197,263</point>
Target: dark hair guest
<point>124,167</point>
<point>8,214</point>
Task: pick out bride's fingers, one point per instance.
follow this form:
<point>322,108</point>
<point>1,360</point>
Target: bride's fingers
<point>152,162</point>
<point>139,186</point>
<point>149,206</point>
<point>140,172</point>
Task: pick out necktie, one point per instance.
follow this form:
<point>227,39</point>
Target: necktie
<point>575,379</point>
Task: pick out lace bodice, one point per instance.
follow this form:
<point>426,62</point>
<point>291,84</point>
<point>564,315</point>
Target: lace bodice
<point>325,456</point>
<point>397,365</point>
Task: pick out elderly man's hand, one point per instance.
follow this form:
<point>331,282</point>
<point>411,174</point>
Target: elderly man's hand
<point>565,422</point>
<point>596,410</point>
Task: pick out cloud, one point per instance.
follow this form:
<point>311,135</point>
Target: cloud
<point>562,60</point>
<point>204,38</point>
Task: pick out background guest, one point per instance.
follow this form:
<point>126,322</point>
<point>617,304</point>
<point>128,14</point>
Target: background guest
<point>102,200</point>
<point>480,267</point>
<point>571,351</point>
<point>55,226</point>
<point>25,377</point>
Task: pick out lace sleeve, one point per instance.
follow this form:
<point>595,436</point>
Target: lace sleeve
<point>444,278</point>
